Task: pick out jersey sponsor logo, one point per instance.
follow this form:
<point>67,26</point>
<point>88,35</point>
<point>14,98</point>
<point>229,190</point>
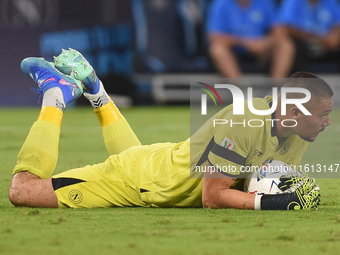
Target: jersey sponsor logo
<point>256,16</point>
<point>227,143</point>
<point>284,149</point>
<point>257,153</point>
<point>75,196</point>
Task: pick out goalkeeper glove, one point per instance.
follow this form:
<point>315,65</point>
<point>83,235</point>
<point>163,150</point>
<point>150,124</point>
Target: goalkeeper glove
<point>304,196</point>
<point>289,184</point>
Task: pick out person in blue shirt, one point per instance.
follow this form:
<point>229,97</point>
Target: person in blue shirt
<point>238,27</point>
<point>313,24</point>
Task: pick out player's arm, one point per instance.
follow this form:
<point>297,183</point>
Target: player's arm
<point>224,164</point>
<point>221,40</point>
<point>301,194</point>
<point>217,194</point>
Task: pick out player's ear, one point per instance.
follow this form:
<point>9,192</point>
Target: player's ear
<point>295,112</point>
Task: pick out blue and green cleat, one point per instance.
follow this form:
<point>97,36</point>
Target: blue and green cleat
<point>47,76</point>
<point>73,63</point>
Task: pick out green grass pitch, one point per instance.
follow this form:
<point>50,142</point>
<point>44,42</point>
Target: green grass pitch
<point>152,230</point>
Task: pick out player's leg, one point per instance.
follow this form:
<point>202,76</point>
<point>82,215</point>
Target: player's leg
<point>276,46</point>
<point>117,133</point>
<point>36,161</point>
<point>223,55</point>
<point>283,53</point>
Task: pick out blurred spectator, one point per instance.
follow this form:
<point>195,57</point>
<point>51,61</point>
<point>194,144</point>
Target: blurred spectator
<point>243,27</point>
<point>313,24</point>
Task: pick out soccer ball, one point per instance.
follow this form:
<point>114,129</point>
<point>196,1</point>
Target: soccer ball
<point>267,178</point>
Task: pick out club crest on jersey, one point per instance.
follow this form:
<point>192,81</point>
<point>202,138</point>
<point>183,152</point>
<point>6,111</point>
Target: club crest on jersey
<point>227,143</point>
<point>284,149</point>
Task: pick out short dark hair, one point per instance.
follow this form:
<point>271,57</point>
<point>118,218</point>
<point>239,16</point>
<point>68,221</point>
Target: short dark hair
<point>316,86</point>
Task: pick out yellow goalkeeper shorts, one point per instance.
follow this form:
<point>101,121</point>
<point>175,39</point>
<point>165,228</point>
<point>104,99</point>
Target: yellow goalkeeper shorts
<point>100,185</point>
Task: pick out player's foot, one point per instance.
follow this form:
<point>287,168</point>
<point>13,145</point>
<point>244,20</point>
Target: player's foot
<point>73,62</point>
<point>47,77</point>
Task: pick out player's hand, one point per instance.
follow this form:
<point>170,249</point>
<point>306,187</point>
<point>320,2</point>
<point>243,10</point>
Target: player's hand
<point>298,192</point>
<point>304,197</point>
<point>305,194</point>
<point>289,184</point>
<point>305,200</point>
<point>295,179</point>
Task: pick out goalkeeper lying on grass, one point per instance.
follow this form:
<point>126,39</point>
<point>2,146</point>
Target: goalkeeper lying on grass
<point>161,175</point>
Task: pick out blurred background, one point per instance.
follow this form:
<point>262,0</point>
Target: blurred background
<point>144,51</point>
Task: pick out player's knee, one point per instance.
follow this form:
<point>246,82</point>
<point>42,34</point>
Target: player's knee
<point>18,189</point>
<point>16,193</point>
<point>28,190</point>
<point>12,198</point>
<point>15,196</point>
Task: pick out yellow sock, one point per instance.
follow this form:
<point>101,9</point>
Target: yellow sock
<point>107,114</point>
<point>39,152</point>
<point>51,114</point>
<point>117,133</point>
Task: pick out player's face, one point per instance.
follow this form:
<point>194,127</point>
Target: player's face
<point>309,126</point>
